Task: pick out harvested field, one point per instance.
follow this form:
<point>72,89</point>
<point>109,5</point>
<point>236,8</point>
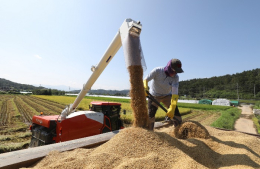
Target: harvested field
<point>140,148</point>
<point>16,113</point>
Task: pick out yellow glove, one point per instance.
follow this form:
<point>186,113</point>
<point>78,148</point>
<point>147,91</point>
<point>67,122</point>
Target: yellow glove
<point>146,88</point>
<point>172,107</point>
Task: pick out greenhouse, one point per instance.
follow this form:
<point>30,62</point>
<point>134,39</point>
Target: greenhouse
<point>234,103</point>
<point>205,101</point>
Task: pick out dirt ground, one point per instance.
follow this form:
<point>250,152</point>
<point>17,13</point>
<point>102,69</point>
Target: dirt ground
<point>244,123</point>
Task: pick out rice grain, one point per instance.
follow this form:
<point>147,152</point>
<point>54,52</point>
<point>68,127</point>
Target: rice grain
<point>139,148</point>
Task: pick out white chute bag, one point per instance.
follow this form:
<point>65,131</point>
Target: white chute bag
<point>136,65</point>
<point>133,51</point>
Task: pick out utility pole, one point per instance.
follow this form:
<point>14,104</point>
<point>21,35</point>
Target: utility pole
<point>237,92</point>
<point>203,91</point>
<point>254,90</point>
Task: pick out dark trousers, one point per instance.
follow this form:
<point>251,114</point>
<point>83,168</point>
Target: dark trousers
<point>152,108</point>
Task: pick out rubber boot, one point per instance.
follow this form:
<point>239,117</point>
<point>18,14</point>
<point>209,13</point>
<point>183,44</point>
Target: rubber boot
<point>151,113</point>
<point>151,123</point>
<point>177,121</point>
<point>151,126</point>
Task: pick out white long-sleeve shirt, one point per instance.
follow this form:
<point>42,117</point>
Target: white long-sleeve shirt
<point>162,85</point>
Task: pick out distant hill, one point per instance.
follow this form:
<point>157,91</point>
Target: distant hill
<point>7,85</point>
<point>245,85</point>
<point>105,92</point>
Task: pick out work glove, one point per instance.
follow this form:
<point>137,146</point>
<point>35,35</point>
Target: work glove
<point>146,88</point>
<point>171,110</point>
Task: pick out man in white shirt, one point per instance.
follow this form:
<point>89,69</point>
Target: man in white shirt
<point>164,88</point>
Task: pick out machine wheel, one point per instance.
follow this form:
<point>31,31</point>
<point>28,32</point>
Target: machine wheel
<point>105,130</point>
<point>34,143</point>
<point>120,124</point>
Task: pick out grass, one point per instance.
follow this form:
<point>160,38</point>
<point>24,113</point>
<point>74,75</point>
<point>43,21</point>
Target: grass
<point>19,127</point>
<point>202,106</point>
<point>6,137</point>
<point>256,120</point>
<point>14,142</point>
<point>17,135</point>
<point>227,118</point>
<point>109,99</point>
<point>248,101</point>
<point>257,105</point>
<point>7,147</point>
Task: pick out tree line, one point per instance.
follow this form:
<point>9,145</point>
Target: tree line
<point>48,92</point>
<point>245,85</point>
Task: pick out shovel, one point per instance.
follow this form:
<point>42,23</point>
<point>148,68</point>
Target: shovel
<point>167,119</point>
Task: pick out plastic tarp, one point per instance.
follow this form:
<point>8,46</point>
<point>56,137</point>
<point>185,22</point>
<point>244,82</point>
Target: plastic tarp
<point>221,102</point>
<point>188,101</point>
<point>234,103</point>
<point>205,101</point>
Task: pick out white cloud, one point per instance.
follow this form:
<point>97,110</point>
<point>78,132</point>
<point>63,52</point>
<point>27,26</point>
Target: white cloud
<point>37,56</point>
<point>5,76</point>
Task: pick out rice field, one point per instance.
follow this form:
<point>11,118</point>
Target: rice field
<point>16,113</point>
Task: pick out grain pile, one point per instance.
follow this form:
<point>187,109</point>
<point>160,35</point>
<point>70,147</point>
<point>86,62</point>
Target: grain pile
<point>138,100</point>
<point>140,148</point>
<point>190,129</point>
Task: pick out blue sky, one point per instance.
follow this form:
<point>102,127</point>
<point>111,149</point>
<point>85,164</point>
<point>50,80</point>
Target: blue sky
<point>55,43</point>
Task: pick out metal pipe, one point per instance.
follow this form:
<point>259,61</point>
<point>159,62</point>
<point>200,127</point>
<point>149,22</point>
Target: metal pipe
<point>107,57</point>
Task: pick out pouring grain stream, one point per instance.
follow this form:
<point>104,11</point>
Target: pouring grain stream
<point>135,63</point>
<point>138,101</point>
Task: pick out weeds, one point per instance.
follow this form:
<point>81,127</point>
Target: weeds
<point>256,120</point>
<point>227,119</point>
<point>257,105</point>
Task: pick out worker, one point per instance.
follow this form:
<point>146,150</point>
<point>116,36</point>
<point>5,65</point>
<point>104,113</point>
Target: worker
<point>164,88</point>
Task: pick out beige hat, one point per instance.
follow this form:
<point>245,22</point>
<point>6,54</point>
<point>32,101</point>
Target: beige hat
<point>176,65</point>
